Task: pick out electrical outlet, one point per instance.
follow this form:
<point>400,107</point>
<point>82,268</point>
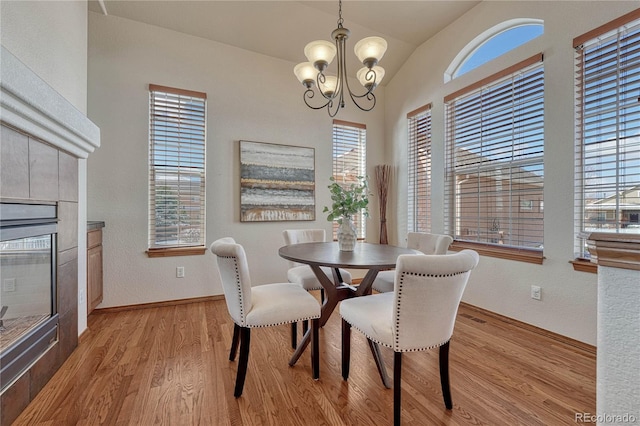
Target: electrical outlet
<point>81,296</point>
<point>9,284</point>
<point>180,272</point>
<point>536,292</point>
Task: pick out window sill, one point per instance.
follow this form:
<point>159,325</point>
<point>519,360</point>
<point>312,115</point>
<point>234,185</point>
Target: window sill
<point>501,252</point>
<point>176,251</point>
<point>584,265</point>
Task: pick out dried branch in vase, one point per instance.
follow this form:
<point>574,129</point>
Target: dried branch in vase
<point>383,178</point>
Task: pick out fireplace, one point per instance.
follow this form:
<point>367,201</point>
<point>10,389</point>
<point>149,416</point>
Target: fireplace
<point>45,142</point>
<point>28,306</point>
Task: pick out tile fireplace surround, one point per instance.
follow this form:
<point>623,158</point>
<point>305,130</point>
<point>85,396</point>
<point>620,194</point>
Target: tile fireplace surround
<point>42,138</point>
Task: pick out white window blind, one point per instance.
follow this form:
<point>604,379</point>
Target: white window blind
<point>177,126</point>
<point>608,131</point>
<point>494,164</point>
<point>419,170</point>
<point>349,161</point>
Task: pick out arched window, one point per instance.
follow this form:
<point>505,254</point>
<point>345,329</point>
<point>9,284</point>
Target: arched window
<point>492,43</point>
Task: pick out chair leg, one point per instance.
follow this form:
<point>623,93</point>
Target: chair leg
<point>322,295</point>
<point>294,335</point>
<point>346,348</point>
<point>377,357</point>
<point>245,340</point>
<point>444,375</point>
<point>397,372</point>
<point>305,327</point>
<point>315,348</point>
<point>234,342</point>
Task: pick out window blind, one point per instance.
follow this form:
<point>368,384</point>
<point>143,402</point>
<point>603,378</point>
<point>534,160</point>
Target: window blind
<point>494,161</point>
<point>349,161</point>
<point>608,131</point>
<point>177,126</point>
<point>419,170</point>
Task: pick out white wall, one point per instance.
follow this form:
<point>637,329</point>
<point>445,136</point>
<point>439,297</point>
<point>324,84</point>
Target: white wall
<point>50,37</point>
<point>568,304</point>
<point>250,97</point>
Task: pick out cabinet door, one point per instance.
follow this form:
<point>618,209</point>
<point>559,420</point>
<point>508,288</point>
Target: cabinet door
<point>94,277</point>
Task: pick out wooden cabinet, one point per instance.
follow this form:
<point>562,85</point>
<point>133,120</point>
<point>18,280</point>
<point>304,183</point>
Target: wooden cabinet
<point>94,269</point>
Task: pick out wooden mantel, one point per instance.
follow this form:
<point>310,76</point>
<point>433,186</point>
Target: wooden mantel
<point>615,250</point>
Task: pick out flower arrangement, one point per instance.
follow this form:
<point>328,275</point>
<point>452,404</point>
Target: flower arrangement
<point>348,200</point>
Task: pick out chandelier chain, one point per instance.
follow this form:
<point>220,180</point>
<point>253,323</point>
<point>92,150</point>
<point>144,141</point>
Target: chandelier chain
<point>340,20</point>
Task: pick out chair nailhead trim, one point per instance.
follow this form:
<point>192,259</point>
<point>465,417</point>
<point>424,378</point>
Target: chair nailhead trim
<point>424,348</point>
<point>400,286</point>
<point>282,323</point>
<point>235,264</point>
<point>434,275</point>
<point>397,333</point>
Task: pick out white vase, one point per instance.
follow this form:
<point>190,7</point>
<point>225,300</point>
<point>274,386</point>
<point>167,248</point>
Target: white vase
<point>347,236</point>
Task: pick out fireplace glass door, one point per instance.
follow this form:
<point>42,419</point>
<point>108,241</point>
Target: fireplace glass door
<point>26,285</point>
<point>28,307</point>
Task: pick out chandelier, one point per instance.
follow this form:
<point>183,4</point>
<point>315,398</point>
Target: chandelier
<point>332,88</point>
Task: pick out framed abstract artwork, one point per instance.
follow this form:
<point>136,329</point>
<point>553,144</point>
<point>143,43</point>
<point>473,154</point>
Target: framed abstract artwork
<point>277,182</point>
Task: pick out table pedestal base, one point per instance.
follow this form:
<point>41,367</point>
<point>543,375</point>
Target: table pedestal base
<point>336,293</point>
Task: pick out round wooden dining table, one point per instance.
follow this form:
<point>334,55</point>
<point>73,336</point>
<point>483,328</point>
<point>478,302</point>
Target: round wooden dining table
<point>372,257</point>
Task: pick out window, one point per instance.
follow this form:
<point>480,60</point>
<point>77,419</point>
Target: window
<point>608,130</point>
<point>419,170</point>
<point>492,43</point>
<point>177,124</point>
<point>494,165</point>
<point>349,161</point>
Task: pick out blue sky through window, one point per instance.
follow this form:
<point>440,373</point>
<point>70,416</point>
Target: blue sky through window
<point>499,45</point>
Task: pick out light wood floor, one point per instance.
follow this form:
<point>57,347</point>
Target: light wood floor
<point>169,366</point>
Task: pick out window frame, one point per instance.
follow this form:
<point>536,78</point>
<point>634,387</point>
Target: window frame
<point>519,253</point>
<point>419,169</point>
<point>187,158</point>
<point>452,71</point>
<point>357,139</point>
<point>591,115</point>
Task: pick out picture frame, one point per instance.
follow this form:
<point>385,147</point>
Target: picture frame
<point>277,182</point>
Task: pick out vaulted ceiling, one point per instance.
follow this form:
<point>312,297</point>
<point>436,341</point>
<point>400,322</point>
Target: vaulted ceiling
<point>281,29</point>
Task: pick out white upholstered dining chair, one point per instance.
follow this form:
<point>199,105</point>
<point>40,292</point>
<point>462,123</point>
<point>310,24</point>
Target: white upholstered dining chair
<point>423,242</point>
<point>418,315</point>
<point>302,274</point>
<point>260,306</point>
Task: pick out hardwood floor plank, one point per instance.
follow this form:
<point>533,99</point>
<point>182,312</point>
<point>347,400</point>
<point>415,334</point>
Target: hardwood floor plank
<point>169,365</point>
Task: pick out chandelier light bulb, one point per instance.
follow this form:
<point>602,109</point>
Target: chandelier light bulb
<point>329,86</point>
<point>306,73</point>
<point>370,50</point>
<point>320,53</point>
<point>367,78</point>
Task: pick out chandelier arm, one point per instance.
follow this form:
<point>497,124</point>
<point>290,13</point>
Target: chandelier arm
<point>370,97</point>
<point>370,76</point>
<point>320,80</point>
<point>335,111</point>
<point>340,43</point>
<point>310,94</point>
<point>369,91</point>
